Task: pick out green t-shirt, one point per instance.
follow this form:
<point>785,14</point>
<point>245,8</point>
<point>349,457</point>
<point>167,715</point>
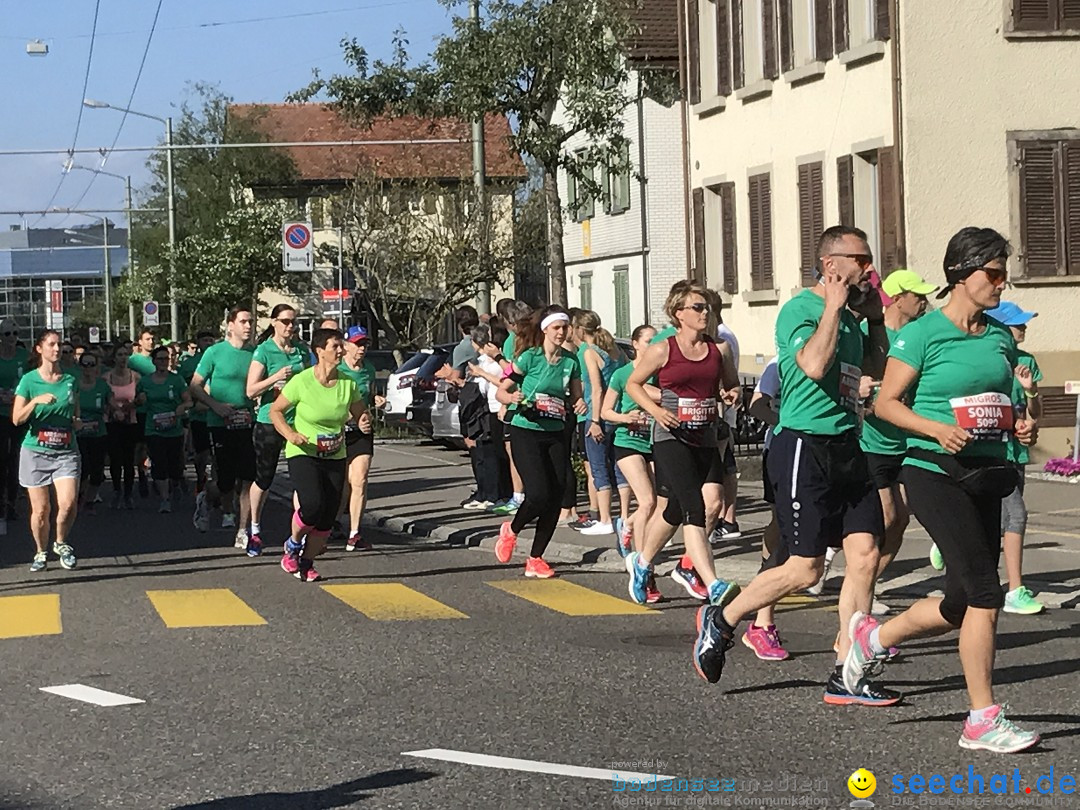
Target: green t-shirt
<point>141,363</point>
<point>320,413</point>
<point>11,369</point>
<point>546,388</point>
<point>624,436</point>
<point>1018,452</point>
<point>162,400</point>
<point>825,407</point>
<point>663,334</point>
<point>879,436</point>
<point>224,370</point>
<point>52,426</point>
<point>92,404</point>
<point>962,379</point>
<point>273,360</point>
<point>508,346</point>
<point>364,377</point>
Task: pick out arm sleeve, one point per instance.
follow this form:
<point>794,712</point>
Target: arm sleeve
<point>22,388</point>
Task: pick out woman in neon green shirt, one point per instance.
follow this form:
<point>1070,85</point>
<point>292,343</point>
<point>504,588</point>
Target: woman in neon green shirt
<point>322,401</point>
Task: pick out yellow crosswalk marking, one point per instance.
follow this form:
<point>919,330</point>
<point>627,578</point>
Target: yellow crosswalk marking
<point>203,607</point>
<point>387,602</point>
<point>566,597</point>
<point>36,615</point>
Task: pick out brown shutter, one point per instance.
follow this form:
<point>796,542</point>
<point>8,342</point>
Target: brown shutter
<point>1071,176</point>
<point>840,25</point>
<point>766,233</point>
<point>728,236</point>
<point>1070,14</point>
<point>698,198</point>
<point>723,47</point>
<point>1040,217</point>
<point>845,189</point>
<point>889,258</point>
<point>738,74</point>
<point>769,61</point>
<point>882,12</point>
<point>761,259</point>
<point>787,36</point>
<point>823,32</point>
<point>693,40</point>
<point>811,218</point>
<point>1034,15</point>
<point>754,193</point>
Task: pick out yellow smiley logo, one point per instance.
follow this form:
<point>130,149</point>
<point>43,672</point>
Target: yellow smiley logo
<point>862,784</point>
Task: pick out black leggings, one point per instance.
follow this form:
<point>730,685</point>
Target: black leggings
<point>268,445</point>
<point>319,483</point>
<point>11,437</point>
<point>122,440</point>
<point>541,457</point>
<point>569,493</point>
<point>166,457</point>
<point>967,531</point>
<point>685,470</point>
<point>93,449</point>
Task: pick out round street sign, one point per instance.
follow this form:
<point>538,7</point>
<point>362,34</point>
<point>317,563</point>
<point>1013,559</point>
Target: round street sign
<point>150,307</point>
<point>297,236</point>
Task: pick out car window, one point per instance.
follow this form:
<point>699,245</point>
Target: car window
<point>433,362</point>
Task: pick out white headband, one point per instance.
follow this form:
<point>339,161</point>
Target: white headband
<point>554,317</point>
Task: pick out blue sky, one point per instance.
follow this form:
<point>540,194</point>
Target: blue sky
<point>251,61</point>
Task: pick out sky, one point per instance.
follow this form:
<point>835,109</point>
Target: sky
<point>253,50</point>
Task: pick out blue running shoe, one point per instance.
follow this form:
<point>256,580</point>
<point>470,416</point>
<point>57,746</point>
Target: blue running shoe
<point>639,578</point>
<point>712,644</point>
<point>721,592</point>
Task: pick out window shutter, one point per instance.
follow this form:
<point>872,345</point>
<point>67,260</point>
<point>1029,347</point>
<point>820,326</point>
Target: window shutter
<point>769,62</point>
<point>1071,174</point>
<point>589,203</point>
<point>754,193</point>
<point>698,198</point>
<point>882,12</point>
<point>761,264</point>
<point>787,37</point>
<point>585,285</point>
<point>811,218</point>
<point>766,233</point>
<point>1070,14</point>
<point>693,56</point>
<point>1040,220</point>
<point>572,197</point>
<point>845,189</point>
<point>723,47</point>
<point>624,179</point>
<point>1034,15</point>
<point>823,32</point>
<point>622,302</point>
<point>607,188</point>
<point>840,25</point>
<point>889,258</point>
<point>738,74</point>
<point>728,235</point>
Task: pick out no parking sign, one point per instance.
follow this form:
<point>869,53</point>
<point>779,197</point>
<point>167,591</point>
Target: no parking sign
<point>151,313</point>
<point>296,253</point>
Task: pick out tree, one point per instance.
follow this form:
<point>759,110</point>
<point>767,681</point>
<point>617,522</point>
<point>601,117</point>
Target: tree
<point>530,58</point>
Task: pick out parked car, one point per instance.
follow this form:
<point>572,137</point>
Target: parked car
<point>385,363</point>
<point>410,390</point>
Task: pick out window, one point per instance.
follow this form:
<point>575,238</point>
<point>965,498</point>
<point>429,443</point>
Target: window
<point>693,38</point>
<point>581,203</point>
<point>857,22</point>
<point>615,181</point>
<point>721,235</point>
<point>866,193</point>
<point>797,32</point>
<point>1049,205</point>
<point>585,289</point>
<point>723,47</point>
<point>811,218</point>
<point>1046,16</point>
<point>622,302</point>
<point>752,40</point>
<point>761,256</point>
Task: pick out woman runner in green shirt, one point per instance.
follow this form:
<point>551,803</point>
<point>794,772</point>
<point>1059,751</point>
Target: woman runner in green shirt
<point>165,397</point>
<point>94,396</point>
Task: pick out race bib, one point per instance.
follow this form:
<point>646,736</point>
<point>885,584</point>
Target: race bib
<point>328,444</point>
<point>238,420</point>
<point>850,376</point>
<point>696,413</point>
<point>551,407</point>
<point>54,438</point>
<point>987,417</point>
<point>641,429</point>
<point>88,429</point>
<point>164,421</point>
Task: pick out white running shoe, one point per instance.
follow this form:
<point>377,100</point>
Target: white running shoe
<point>599,528</point>
<point>242,539</point>
<point>819,586</point>
<point>879,608</point>
<point>201,517</point>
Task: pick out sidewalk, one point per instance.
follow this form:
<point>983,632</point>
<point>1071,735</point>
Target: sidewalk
<point>416,488</point>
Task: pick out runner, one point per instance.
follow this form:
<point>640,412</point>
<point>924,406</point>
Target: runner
<point>359,444</point>
<point>122,427</point>
<point>517,316</point>
<point>278,355</point>
<point>141,363</point>
<point>322,401</point>
<point>960,365</point>
<point>693,373</point>
<point>94,396</point>
<point>817,470</point>
<point>165,398</point>
<point>220,383</point>
<point>13,362</point>
<point>576,429</point>
<point>549,380</point>
<point>46,401</point>
<point>198,431</point>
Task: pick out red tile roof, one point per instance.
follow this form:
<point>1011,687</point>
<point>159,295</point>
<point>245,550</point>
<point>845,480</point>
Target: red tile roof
<point>657,39</point>
<point>318,122</point>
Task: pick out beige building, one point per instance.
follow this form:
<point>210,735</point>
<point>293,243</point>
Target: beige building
<point>907,118</point>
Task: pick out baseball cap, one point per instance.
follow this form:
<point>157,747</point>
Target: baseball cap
<point>354,334</point>
<point>1010,314</point>
<point>902,281</point>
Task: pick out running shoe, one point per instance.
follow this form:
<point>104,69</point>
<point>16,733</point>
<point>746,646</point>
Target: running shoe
<point>505,508</point>
<point>721,592</point>
<point>538,569</point>
<point>861,657</point>
<point>254,546</point>
<point>580,522</point>
<point>879,608</point>
<point>652,593</point>
<point>729,531</point>
<point>228,520</point>
<point>712,644</point>
<point>40,562</point>
<point>867,693</point>
<point>1023,602</point>
<point>639,578</point>
<point>129,502</point>
<point>688,578</point>
<point>471,499</point>
<point>290,560</point>
<point>765,642</point>
<point>164,506</point>
<point>598,528</point>
<point>116,500</point>
<point>476,505</point>
<point>624,539</point>
<point>996,733</point>
<point>819,586</point>
<point>66,554</point>
<point>201,516</point>
<point>306,572</point>
<point>242,539</point>
<point>355,542</point>
<point>936,560</point>
<point>504,545</point>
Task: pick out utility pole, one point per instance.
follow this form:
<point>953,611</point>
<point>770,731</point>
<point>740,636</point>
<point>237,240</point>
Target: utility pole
<point>131,256</point>
<point>174,306</point>
<point>483,298</point>
<point>108,281</point>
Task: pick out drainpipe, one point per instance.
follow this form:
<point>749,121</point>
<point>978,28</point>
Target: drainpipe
<point>685,111</point>
<point>643,191</point>
<point>898,134</point>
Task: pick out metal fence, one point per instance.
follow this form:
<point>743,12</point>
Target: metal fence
<point>749,433</point>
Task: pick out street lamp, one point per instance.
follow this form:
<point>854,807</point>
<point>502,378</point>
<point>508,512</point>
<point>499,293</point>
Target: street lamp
<point>107,280</point>
<point>174,306</point>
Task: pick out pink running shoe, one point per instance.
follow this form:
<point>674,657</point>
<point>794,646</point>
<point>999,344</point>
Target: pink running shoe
<point>537,568</point>
<point>306,571</point>
<point>765,642</point>
<point>290,560</point>
<point>652,593</point>
<point>504,546</point>
<point>861,658</point>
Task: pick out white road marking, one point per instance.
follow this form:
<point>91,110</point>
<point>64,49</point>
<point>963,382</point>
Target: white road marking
<point>89,694</point>
<point>424,457</point>
<point>530,765</point>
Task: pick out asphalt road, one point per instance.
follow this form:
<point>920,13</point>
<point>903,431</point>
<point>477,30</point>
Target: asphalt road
<point>315,704</point>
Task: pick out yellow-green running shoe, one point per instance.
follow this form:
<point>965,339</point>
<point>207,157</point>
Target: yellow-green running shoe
<point>936,559</point>
<point>1022,601</point>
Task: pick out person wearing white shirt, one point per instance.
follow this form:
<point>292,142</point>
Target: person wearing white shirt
<point>727,527</point>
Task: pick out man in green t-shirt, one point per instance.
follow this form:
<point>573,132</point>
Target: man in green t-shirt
<point>199,430</point>
<point>13,363</point>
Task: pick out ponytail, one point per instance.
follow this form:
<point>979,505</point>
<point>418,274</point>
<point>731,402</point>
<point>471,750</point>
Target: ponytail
<point>606,341</point>
<point>274,313</point>
<point>35,355</point>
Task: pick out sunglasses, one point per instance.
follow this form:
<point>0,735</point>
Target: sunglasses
<point>286,321</point>
<point>864,260</point>
<point>67,351</point>
<point>8,334</point>
<point>698,308</point>
<point>995,275</point>
<point>91,364</point>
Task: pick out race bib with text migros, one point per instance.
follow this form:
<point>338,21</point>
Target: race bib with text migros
<point>850,376</point>
<point>164,421</point>
<point>54,438</point>
<point>238,420</point>
<point>696,413</point>
<point>987,417</point>
<point>551,407</point>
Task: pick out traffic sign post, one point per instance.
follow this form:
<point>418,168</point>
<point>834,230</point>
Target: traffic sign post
<point>55,289</point>
<point>1073,387</point>
<point>151,313</point>
<point>95,334</point>
<point>296,247</point>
